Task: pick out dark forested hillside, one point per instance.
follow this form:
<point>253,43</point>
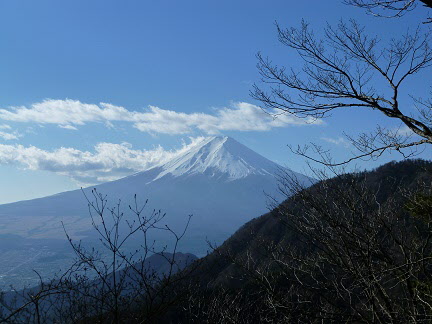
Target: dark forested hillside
<point>388,182</point>
<point>355,247</point>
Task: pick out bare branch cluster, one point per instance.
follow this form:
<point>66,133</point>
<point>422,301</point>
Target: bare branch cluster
<point>110,282</point>
<point>389,8</point>
<point>349,69</point>
<point>352,253</point>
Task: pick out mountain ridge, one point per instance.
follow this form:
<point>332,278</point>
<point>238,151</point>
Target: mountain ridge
<point>219,181</point>
<point>212,154</point>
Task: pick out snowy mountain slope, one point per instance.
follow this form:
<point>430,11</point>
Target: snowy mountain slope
<point>217,180</point>
<point>222,183</point>
<point>219,156</point>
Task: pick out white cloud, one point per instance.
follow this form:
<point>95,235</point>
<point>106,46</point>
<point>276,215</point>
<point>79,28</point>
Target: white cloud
<point>68,127</point>
<point>6,134</point>
<point>109,161</point>
<point>72,113</point>
<point>403,130</point>
<point>336,141</point>
<point>9,136</point>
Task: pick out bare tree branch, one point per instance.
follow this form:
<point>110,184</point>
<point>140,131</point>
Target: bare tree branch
<point>349,69</point>
<point>389,8</point>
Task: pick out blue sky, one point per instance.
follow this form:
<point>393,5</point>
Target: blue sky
<point>77,79</point>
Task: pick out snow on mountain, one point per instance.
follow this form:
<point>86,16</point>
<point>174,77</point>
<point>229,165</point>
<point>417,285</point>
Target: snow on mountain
<point>218,156</point>
<point>221,182</point>
<point>216,179</point>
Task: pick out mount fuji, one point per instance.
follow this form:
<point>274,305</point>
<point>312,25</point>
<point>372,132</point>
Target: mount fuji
<point>218,181</point>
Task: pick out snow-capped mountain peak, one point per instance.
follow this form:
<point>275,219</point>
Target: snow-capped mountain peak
<point>221,157</point>
<point>217,180</point>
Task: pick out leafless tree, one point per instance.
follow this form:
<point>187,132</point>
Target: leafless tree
<point>349,69</point>
<point>364,259</point>
<point>349,254</point>
<point>218,306</point>
<point>29,305</point>
<point>125,280</point>
<point>235,306</point>
<point>110,282</point>
<point>389,8</point>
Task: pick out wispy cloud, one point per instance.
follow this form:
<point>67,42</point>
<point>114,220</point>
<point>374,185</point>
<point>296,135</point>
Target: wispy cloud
<point>403,130</point>
<point>68,127</point>
<point>70,114</point>
<point>109,161</point>
<point>9,136</point>
<point>336,141</point>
